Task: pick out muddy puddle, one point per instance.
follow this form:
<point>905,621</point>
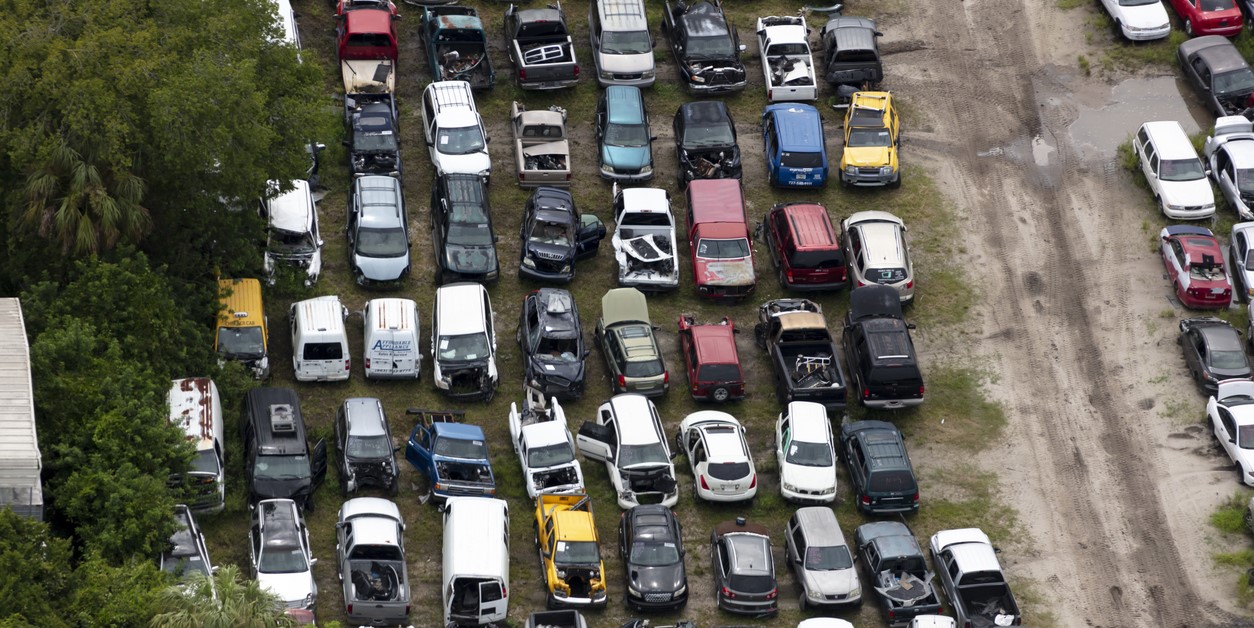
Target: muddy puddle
<point>1098,132</point>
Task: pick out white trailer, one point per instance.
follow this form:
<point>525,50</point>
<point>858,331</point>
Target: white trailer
<point>20,462</point>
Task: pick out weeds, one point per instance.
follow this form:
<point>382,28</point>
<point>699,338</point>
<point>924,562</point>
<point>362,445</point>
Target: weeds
<point>1072,4</point>
<point>1084,65</point>
<point>1230,516</point>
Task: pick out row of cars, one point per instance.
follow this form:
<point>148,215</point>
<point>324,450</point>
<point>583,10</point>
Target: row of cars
<point>1144,20</point>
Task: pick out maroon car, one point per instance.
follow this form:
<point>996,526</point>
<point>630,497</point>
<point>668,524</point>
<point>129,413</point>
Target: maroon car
<point>710,359</point>
<point>722,258</point>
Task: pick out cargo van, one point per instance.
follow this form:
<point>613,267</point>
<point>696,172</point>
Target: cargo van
<point>319,340</point>
<point>391,339</point>
<point>197,410</point>
<point>476,561</point>
<point>241,334</point>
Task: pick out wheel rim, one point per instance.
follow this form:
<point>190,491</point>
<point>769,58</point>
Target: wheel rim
<point>721,394</point>
<point>1188,27</point>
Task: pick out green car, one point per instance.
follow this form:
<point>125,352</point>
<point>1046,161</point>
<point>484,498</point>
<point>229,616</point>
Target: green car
<point>626,338</point>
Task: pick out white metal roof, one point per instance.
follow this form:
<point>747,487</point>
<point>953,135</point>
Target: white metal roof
<point>635,420</point>
<point>809,421</point>
<point>19,445</point>
<point>473,525</point>
<point>461,309</point>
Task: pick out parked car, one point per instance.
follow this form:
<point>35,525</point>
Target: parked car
<point>541,149</point>
<point>545,448</point>
<point>278,460</point>
<point>1195,265</point>
<point>365,32</point>
<point>645,247</point>
<point>186,555</point>
<point>1230,412</point>
<point>463,342</point>
<point>456,138</point>
<point>1209,17</point>
<point>1241,254</point>
<point>456,45</point>
<point>879,468</point>
<point>461,230</point>
<point>367,456</point>
<point>972,579</point>
<point>804,359</point>
<point>631,353</point>
<point>1219,73</point>
<point>784,51</point>
<point>851,51</point>
<point>622,47</point>
<point>711,360</point>
<point>706,46</point>
<point>292,235</point>
<point>570,551</point>
<point>624,142</point>
<point>1139,20</point>
<point>627,435</point>
<point>718,240</point>
<point>872,137</point>
<point>892,558</point>
<point>475,563</point>
<point>820,559</point>
<point>744,569</point>
<point>651,544</point>
<point>794,144</point>
<point>555,236</point>
<point>882,361</point>
<point>806,454</point>
<point>373,134</point>
<point>1229,156</point>
<point>451,455</point>
<point>722,467</point>
<point>1173,170</point>
<point>876,252</point>
<point>280,555</point>
<point>804,247</point>
<point>551,338</point>
<point>567,618</point>
<point>378,231</point>
<point>1212,351</point>
<point>370,562</point>
<point>540,47</point>
<point>705,141</point>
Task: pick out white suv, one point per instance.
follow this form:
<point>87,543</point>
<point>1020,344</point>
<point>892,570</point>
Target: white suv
<point>454,132</point>
<point>806,455</point>
<point>463,342</point>
<point>1175,173</point>
<point>876,251</point>
<point>281,559</point>
<point>628,436</point>
<point>722,468</point>
<point>1139,20</point>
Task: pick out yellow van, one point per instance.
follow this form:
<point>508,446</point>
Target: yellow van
<point>241,332</point>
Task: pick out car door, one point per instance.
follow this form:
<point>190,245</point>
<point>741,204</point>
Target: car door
<point>591,232</point>
<point>1226,431</point>
<point>418,449</point>
<point>1193,350</point>
<point>318,465</point>
<point>857,467</point>
<point>598,440</point>
<point>1225,176</point>
<point>781,438</point>
<point>722,562</point>
<point>254,545</point>
<point>1239,251</point>
<point>796,542</point>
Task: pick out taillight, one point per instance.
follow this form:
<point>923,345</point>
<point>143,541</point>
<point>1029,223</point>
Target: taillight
<point>522,74</point>
<point>788,274</point>
<point>622,381</point>
<point>772,594</point>
<point>522,177</point>
<point>504,591</point>
<point>666,377</point>
<point>770,93</point>
<point>367,363</point>
<point>348,364</point>
<point>842,273</point>
<point>891,615</point>
<point>916,496</point>
<point>753,482</point>
<point>921,390</point>
<point>728,593</point>
<point>703,484</point>
<point>910,284</point>
<point>576,71</point>
<point>568,176</point>
<point>866,393</point>
<point>860,284</point>
<point>350,609</point>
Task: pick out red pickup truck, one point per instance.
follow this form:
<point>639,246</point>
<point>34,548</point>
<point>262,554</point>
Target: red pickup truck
<point>722,256</point>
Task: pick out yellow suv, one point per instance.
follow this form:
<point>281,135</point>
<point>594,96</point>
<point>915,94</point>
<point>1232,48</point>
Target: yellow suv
<point>872,134</point>
<point>567,538</point>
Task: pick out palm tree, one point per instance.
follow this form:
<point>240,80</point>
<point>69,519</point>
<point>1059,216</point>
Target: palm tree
<point>222,600</point>
<point>84,205</point>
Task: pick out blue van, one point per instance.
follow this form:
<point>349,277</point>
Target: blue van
<point>623,138</point>
<point>792,136</point>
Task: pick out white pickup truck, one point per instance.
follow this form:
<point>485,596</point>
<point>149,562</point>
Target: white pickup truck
<point>787,63</point>
<point>541,150</point>
<point>545,448</point>
<point>644,239</point>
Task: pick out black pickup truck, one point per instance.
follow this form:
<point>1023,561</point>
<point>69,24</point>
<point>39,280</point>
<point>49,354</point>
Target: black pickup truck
<point>803,354</point>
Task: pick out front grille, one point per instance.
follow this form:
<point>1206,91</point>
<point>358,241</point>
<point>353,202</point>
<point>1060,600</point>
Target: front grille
<point>549,266</point>
<point>657,597</point>
<point>627,171</point>
<point>835,598</point>
<point>628,77</point>
<point>874,170</point>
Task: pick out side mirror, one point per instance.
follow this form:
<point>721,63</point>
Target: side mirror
<point>313,561</point>
<point>487,139</point>
<point>586,353</point>
<point>652,138</point>
<point>321,243</point>
<point>879,34</point>
<point>742,48</point>
<point>909,325</point>
<point>674,455</point>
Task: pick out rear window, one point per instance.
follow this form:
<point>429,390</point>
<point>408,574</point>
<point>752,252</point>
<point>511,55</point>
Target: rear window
<point>369,40</point>
<point>728,471</point>
<point>718,373</point>
<point>801,160</point>
<point>643,368</point>
<point>817,260</point>
<point>753,584</point>
<point>856,56</point>
<point>323,351</point>
<point>891,482</point>
<point>905,375</point>
<point>886,275</point>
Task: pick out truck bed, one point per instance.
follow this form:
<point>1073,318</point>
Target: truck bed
<point>985,602</point>
<point>809,365</point>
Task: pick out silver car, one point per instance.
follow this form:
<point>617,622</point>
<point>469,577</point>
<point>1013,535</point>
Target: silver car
<point>378,231</point>
<point>877,253</point>
<point>821,559</point>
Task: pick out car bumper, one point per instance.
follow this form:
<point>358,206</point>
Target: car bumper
<point>449,276</point>
<point>892,404</point>
<point>799,497</point>
<point>833,601</point>
<point>1232,30</point>
<point>798,183</point>
<point>1194,303</point>
<point>726,293</point>
<point>889,509</point>
<point>1190,214</point>
<point>536,274</point>
<point>721,88</point>
<point>611,175</point>
<point>547,85</point>
<point>727,498</point>
<point>671,603</point>
<point>627,503</point>
<point>814,287</point>
<point>412,374</point>
<point>650,286</point>
<point>868,180</point>
<point>641,81</point>
<point>577,602</point>
<point>1146,34</point>
<point>651,392</point>
<point>564,392</point>
<point>766,608</point>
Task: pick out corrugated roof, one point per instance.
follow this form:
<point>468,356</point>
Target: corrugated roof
<point>19,446</point>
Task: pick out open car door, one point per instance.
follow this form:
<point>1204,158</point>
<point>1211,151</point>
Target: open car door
<point>596,441</point>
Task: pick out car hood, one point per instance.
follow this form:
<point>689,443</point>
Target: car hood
<point>1145,16</point>
<point>471,163</point>
<point>629,157</point>
<point>1188,193</point>
<point>290,587</point>
<point>724,272</point>
<point>665,578</point>
<point>808,478</point>
<point>471,259</point>
<point>868,156</point>
<point>839,582</point>
<point>626,64</point>
<point>381,268</point>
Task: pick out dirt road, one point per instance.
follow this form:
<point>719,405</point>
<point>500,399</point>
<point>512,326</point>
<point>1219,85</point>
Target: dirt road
<point>1072,291</point>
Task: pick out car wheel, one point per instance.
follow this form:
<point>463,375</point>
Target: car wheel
<point>896,182</point>
<point>679,443</point>
<point>720,394</point>
<point>696,496</point>
<point>1240,474</point>
<point>1117,28</point>
<point>802,602</point>
<point>1188,27</point>
<point>759,335</point>
<point>394,489</point>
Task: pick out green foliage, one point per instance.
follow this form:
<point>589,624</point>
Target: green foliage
<point>1230,516</point>
<point>225,600</point>
<point>107,595</point>
<point>34,572</point>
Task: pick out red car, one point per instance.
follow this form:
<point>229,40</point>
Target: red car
<point>1195,264</point>
<point>367,33</point>
<point>722,258</point>
<point>1209,17</point>
<point>344,6</point>
<point>710,359</point>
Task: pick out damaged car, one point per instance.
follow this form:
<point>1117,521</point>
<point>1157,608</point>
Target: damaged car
<point>554,235</point>
<point>373,142</point>
<point>452,456</point>
<point>625,334</point>
<point>461,230</point>
<point>628,436</point>
<point>544,446</point>
<point>706,47</point>
<point>644,239</point>
<point>463,342</point>
<point>705,142</point>
<point>292,235</point>
<point>551,338</point>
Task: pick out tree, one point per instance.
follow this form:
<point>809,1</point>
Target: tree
<point>35,573</point>
<point>223,600</point>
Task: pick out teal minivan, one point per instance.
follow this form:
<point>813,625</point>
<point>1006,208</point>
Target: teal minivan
<point>626,147</point>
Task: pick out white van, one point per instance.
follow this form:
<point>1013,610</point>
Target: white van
<point>391,339</point>
<point>196,408</point>
<point>319,341</point>
<point>476,561</point>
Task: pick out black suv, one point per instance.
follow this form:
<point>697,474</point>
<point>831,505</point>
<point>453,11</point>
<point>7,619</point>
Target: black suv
<point>551,338</point>
<point>461,230</point>
<point>278,459</point>
<point>879,468</point>
<point>707,48</point>
<point>1213,351</point>
<point>878,348</point>
<point>651,543</point>
<point>851,52</point>
<point>705,140</point>
<point>373,140</point>
<point>554,235</point>
<point>367,456</point>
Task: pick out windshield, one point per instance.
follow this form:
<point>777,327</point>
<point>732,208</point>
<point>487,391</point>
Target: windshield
<point>1245,436</point>
<point>654,554</point>
<point>459,448</point>
<point>241,342</point>
<point>554,233</point>
<point>863,137</point>
<point>712,46</point>
<point>1212,272</point>
<point>801,160</point>
<point>643,368</point>
<point>626,42</point>
<point>549,456</point>
<point>382,242</point>
<point>384,142</point>
<point>577,553</point>
<point>1217,5</point>
<point>282,559</point>
<point>698,136</point>
<point>463,348</point>
<point>1228,360</point>
<point>469,226</point>
<point>1236,81</point>
<point>1181,170</point>
<point>632,455</point>
<point>809,454</point>
<point>564,349</point>
<point>281,468</point>
<point>288,243</point>
<point>626,135</point>
<point>205,461</point>
<point>460,140</point>
<point>723,249</point>
<point>828,558</point>
<point>368,447</point>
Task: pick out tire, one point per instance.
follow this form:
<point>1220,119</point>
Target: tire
<point>802,602</point>
<point>1240,474</point>
<point>1117,28</point>
<point>896,182</point>
<point>395,488</point>
<point>759,335</point>
<point>679,447</point>
<point>1188,27</point>
<point>720,394</point>
<point>696,496</point>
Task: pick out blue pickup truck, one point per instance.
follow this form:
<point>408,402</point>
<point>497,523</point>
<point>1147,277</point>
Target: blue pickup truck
<point>796,154</point>
<point>452,455</point>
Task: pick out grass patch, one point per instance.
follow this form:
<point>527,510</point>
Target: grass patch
<point>1072,4</point>
<point>969,498</point>
<point>1085,66</point>
<point>957,412</point>
<point>1230,516</point>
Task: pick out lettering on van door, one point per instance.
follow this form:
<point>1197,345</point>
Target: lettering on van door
<point>395,346</point>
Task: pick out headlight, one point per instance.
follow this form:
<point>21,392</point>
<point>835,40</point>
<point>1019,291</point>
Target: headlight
<point>598,595</point>
<point>789,487</point>
<point>681,590</point>
<point>646,170</point>
<point>606,75</point>
<point>695,78</point>
<point>814,594</point>
<point>632,591</point>
<point>561,573</point>
<point>1175,207</point>
<point>566,268</point>
<point>851,170</point>
<point>828,491</point>
<point>856,592</point>
<point>309,600</point>
<point>886,170</point>
<point>528,262</point>
<point>559,593</point>
<point>650,74</point>
<point>485,173</point>
<point>607,169</point>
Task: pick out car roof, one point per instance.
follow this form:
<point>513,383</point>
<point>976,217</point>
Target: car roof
<point>716,200</point>
<point>821,527</point>
<point>801,320</point>
<point>851,33</point>
<point>369,507</point>
<point>624,104</point>
<point>364,416</point>
<point>635,420</point>
<point>280,522</point>
<point>970,547</point>
<point>546,14</point>
<point>796,125</point>
<point>715,344</point>
<point>292,210</point>
<point>882,244</point>
<point>574,525</point>
<point>366,20</point>
<point>704,19</point>
<point>623,305</point>
<point>750,553</point>
<point>1241,153</point>
<point>183,542</point>
<point>558,313</point>
<point>652,522</point>
<point>1219,53</point>
<point>810,224</point>
<point>874,301</point>
<point>1221,337</point>
<point>460,308</point>
<point>893,538</point>
<point>809,421</point>
<point>882,443</point>
<point>553,199</point>
<point>724,443</point>
<point>460,431</point>
<point>1170,140</point>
